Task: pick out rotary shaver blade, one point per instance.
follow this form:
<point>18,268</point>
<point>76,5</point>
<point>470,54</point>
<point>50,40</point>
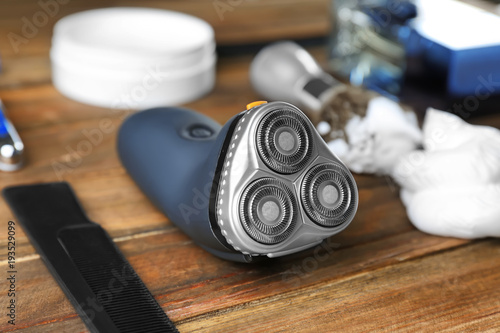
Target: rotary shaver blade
<point>284,140</point>
<point>326,195</point>
<point>281,189</point>
<point>268,211</point>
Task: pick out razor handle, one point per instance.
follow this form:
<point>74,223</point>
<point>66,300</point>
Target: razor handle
<point>172,155</point>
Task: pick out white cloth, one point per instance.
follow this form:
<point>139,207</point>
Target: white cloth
<point>378,140</point>
<point>452,187</point>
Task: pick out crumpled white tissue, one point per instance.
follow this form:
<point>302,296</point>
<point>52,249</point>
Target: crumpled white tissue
<point>452,187</point>
<point>377,140</point>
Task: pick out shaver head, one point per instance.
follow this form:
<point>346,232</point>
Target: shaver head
<point>264,184</point>
<point>278,188</point>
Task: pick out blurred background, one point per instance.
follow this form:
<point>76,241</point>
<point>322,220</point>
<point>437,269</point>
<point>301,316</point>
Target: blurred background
<point>415,54</point>
<point>245,26</point>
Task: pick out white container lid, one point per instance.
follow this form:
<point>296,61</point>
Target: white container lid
<point>102,56</point>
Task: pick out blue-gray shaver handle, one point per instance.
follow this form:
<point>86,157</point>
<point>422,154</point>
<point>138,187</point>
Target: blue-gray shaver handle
<point>172,155</point>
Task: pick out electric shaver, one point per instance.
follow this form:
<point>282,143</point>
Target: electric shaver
<point>264,184</point>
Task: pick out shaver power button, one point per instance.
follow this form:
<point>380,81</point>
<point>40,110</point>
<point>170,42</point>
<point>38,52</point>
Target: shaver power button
<point>254,104</point>
<point>200,131</point>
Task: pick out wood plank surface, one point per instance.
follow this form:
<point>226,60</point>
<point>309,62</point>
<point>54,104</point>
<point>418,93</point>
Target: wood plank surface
<point>379,274</point>
<point>236,22</point>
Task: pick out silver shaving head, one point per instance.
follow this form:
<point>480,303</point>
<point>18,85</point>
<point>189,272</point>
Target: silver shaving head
<point>284,141</point>
<point>281,190</point>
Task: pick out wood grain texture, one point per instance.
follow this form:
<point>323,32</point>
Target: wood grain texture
<point>236,22</point>
<point>379,274</point>
<point>446,292</point>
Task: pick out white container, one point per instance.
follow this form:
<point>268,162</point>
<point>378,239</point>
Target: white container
<point>133,58</point>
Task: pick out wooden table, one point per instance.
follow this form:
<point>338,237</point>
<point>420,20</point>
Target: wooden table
<point>379,274</point>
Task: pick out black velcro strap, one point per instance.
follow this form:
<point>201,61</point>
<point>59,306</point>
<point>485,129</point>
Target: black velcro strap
<point>101,284</point>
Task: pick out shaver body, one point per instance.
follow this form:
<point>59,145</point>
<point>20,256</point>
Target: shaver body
<point>264,184</point>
